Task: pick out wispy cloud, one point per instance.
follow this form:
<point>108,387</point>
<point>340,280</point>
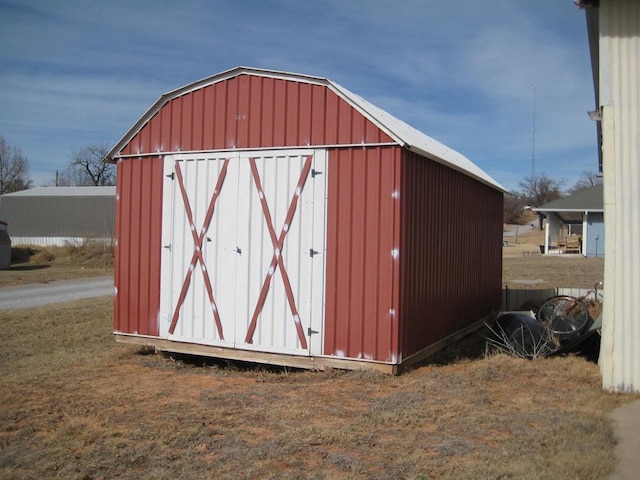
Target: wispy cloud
<point>463,72</point>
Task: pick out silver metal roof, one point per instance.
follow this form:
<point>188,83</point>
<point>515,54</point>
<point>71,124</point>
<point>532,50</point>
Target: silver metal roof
<point>65,192</point>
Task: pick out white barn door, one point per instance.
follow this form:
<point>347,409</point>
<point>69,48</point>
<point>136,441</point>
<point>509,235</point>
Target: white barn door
<point>244,261</point>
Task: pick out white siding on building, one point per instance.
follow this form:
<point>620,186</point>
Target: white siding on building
<point>59,215</point>
<point>59,241</point>
<point>619,58</point>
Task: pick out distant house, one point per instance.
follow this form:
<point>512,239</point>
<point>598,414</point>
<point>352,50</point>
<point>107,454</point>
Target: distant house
<point>59,215</point>
<point>575,224</point>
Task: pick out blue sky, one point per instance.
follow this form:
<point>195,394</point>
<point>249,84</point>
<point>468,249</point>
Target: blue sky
<point>81,72</point>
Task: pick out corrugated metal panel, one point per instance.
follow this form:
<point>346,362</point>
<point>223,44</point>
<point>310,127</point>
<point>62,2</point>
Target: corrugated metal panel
<point>138,246</point>
<point>519,299</point>
<point>59,216</point>
<point>419,142</point>
<point>451,252</point>
<point>64,192</point>
<point>61,241</point>
<point>293,106</point>
<point>245,267</point>
<point>620,101</point>
<point>516,299</point>
<point>362,315</point>
<point>253,112</point>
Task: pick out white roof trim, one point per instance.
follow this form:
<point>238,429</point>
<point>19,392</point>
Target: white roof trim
<point>415,140</point>
<point>582,210</point>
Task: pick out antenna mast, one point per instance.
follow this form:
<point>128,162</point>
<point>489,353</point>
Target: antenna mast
<point>533,134</point>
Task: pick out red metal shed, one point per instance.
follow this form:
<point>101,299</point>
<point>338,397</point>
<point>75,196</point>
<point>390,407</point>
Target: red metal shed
<point>280,218</point>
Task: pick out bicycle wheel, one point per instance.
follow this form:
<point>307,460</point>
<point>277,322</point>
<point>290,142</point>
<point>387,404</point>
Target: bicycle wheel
<point>564,316</point>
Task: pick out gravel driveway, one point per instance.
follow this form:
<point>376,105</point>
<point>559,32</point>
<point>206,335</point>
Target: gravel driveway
<point>36,295</point>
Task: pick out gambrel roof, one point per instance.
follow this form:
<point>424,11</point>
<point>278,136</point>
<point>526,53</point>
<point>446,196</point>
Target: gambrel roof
<point>401,133</point>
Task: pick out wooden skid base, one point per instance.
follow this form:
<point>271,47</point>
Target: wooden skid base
<point>296,361</point>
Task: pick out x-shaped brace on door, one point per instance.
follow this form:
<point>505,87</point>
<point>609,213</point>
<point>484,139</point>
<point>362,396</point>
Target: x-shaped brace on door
<point>198,241</point>
<point>278,243</point>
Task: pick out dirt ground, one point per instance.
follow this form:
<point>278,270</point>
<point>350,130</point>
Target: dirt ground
<point>523,266</point>
<point>77,405</point>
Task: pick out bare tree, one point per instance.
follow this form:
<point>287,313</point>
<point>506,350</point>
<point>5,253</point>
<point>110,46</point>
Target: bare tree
<point>513,208</point>
<point>14,169</point>
<point>69,177</point>
<point>540,189</point>
<point>87,168</point>
<point>587,180</point>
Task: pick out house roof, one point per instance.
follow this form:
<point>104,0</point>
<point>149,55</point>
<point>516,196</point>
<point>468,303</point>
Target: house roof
<point>571,207</point>
<point>402,133</point>
<point>65,192</point>
<point>588,199</point>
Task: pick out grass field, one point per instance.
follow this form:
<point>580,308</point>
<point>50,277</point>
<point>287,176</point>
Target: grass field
<point>31,264</point>
<point>77,405</point>
<point>523,263</point>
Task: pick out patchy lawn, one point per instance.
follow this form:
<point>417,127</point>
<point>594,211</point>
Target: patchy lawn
<point>77,405</point>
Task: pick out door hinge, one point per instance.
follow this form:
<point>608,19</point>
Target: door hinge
<point>313,252</point>
<point>172,176</point>
<point>315,172</point>
<point>168,247</point>
<point>311,332</point>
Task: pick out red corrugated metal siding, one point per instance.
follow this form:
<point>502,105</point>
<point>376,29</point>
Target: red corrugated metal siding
<point>138,233</point>
<point>253,112</point>
<point>451,251</point>
<point>413,247</point>
<point>363,221</point>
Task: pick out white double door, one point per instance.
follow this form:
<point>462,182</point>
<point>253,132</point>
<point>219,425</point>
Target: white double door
<point>243,262</point>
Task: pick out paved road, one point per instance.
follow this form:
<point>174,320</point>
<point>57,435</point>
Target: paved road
<point>36,295</point>
<point>514,230</point>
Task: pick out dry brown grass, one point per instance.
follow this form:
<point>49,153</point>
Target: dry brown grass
<point>34,264</point>
<point>77,405</point>
<point>523,261</point>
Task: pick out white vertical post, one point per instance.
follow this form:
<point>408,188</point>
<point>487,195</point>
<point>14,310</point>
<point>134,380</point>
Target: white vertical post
<point>546,236</point>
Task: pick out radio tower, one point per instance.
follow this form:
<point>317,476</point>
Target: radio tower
<point>533,135</point>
